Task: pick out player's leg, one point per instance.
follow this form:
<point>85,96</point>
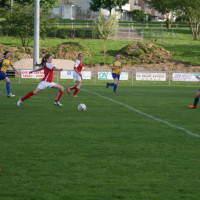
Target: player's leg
<point>196,100</point>
<point>115,84</point>
<point>111,84</point>
<point>30,94</point>
<point>75,77</point>
<point>9,94</point>
<point>78,86</point>
<point>59,94</point>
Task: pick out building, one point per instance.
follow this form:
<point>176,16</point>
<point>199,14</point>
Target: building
<point>141,4</point>
<point>80,9</point>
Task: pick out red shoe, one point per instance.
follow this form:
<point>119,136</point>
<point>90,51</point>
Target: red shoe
<point>191,106</point>
<point>68,91</point>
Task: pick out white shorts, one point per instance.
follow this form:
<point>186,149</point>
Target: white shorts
<point>43,85</point>
<point>76,76</point>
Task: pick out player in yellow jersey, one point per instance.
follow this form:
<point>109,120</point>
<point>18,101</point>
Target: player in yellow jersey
<point>4,64</point>
<point>116,67</point>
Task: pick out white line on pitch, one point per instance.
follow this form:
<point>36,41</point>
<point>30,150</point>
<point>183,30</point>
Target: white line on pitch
<point>145,114</point>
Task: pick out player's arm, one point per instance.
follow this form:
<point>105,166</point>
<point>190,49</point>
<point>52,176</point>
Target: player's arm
<point>14,69</point>
<point>36,70</point>
<point>56,69</point>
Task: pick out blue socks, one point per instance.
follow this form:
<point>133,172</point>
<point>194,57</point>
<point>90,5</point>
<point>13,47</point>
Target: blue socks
<point>111,84</point>
<point>8,87</point>
<point>196,100</point>
<point>114,86</point>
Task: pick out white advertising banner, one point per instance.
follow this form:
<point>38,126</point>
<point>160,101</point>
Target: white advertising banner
<point>185,77</point>
<point>150,76</point>
<point>108,76</point>
<point>37,75</point>
<point>69,74</point>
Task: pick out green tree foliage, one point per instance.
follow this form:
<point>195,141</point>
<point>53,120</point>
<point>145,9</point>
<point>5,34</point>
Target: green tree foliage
<point>190,10</point>
<point>96,5</point>
<point>20,22</point>
<point>44,3</point>
<point>138,15</point>
<point>166,7</point>
<point>105,29</point>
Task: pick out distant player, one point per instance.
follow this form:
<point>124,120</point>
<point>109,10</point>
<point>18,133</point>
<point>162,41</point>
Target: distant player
<point>116,67</point>
<point>46,82</point>
<point>196,98</point>
<point>77,75</point>
<point>4,64</point>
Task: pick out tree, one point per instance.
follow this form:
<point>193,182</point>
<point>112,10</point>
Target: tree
<point>19,22</point>
<point>166,7</point>
<point>190,10</point>
<point>96,5</point>
<point>105,29</point>
<point>138,15</point>
<point>43,3</point>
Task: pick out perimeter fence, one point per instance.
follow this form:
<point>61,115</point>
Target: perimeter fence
<point>127,78</point>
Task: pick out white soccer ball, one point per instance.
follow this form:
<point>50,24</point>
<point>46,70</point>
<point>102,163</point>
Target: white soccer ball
<point>82,107</point>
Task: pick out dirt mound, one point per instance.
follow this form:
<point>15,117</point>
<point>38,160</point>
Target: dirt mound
<point>67,51</point>
<point>144,53</point>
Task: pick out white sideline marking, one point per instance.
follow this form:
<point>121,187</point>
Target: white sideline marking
<point>145,114</point>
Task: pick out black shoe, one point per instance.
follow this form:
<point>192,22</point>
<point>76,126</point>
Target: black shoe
<point>107,85</point>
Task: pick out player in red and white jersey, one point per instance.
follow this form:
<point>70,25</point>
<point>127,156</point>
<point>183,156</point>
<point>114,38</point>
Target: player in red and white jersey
<point>78,66</point>
<point>47,81</point>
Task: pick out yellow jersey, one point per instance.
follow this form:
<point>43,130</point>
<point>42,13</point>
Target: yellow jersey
<point>5,64</point>
<point>116,64</point>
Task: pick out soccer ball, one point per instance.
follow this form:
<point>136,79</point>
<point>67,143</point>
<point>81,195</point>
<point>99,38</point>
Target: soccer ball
<point>82,107</point>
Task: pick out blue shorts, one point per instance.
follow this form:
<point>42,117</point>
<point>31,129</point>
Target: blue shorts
<point>115,76</point>
<point>2,75</point>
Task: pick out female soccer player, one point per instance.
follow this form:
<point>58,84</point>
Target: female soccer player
<point>4,64</point>
<point>46,82</point>
<point>77,75</point>
<point>196,98</point>
<point>116,67</point>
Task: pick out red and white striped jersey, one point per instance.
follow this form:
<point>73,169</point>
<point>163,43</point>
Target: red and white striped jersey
<point>78,65</point>
<point>48,72</point>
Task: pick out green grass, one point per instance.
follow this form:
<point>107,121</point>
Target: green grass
<point>108,152</point>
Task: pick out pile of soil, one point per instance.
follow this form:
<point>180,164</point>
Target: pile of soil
<point>68,51</point>
<point>141,52</point>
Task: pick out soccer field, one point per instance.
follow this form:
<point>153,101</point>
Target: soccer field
<point>141,143</point>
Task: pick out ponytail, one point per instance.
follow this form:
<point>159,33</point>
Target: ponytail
<point>44,60</point>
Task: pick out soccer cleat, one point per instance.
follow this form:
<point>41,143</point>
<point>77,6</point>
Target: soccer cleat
<point>107,85</point>
<point>57,104</point>
<point>19,102</point>
<point>11,95</point>
<point>75,95</point>
<point>191,106</point>
<point>68,91</point>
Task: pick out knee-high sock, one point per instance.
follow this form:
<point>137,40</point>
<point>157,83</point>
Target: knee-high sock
<point>76,91</point>
<point>196,100</point>
<point>27,96</point>
<point>8,87</point>
<point>72,88</point>
<point>115,88</point>
<point>111,84</point>
<point>59,95</point>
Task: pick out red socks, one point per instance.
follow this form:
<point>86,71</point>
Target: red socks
<point>76,91</point>
<point>59,95</point>
<point>27,96</point>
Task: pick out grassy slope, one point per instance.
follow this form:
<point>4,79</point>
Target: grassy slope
<point>177,40</point>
